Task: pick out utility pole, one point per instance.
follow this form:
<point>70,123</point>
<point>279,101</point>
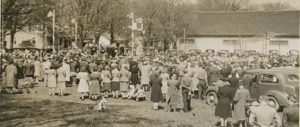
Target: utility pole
<point>183,38</point>
<point>132,33</point>
<point>1,37</point>
<point>53,27</point>
<point>44,29</point>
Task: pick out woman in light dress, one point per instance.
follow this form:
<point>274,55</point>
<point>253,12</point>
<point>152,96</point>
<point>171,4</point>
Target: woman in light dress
<point>37,69</point>
<point>61,84</point>
<point>106,76</point>
<point>83,86</point>
<point>124,80</point>
<point>94,84</point>
<point>51,81</point>
<point>67,68</point>
<point>165,77</point>
<point>115,84</point>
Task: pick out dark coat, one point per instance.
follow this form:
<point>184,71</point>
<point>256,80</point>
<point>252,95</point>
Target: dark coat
<point>174,92</point>
<point>84,66</point>
<point>28,69</point>
<point>225,72</point>
<point>246,81</point>
<point>225,98</point>
<point>156,93</point>
<point>234,82</point>
<point>134,75</point>
<point>20,71</point>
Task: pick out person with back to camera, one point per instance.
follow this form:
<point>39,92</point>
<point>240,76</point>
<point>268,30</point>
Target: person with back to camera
<point>264,115</point>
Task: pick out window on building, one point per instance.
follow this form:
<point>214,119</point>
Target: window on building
<point>279,42</point>
<point>187,41</point>
<point>231,42</point>
<point>267,78</point>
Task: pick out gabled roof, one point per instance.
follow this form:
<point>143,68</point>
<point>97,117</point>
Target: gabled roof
<point>254,23</point>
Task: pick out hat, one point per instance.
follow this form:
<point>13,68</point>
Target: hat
<point>224,79</point>
<point>255,103</point>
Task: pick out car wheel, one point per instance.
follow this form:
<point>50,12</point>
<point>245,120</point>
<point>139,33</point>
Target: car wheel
<point>211,98</point>
<point>272,101</point>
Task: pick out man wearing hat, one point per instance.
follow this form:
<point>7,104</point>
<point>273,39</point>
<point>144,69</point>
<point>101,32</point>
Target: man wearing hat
<point>264,115</point>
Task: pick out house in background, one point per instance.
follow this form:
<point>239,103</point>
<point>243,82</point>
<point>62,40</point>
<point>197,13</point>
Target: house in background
<point>33,38</point>
<point>262,31</point>
<point>27,40</point>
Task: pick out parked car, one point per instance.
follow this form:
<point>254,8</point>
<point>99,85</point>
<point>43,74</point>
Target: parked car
<point>281,85</point>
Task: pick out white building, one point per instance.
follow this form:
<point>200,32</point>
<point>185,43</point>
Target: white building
<point>26,40</point>
<point>260,31</point>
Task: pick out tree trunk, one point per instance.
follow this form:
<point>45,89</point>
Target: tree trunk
<point>12,37</point>
<point>112,32</point>
<point>97,37</point>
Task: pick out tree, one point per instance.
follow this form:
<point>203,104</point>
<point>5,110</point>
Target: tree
<point>19,14</point>
<point>163,20</point>
<point>276,6</point>
<point>117,17</point>
<point>222,5</point>
<point>89,15</point>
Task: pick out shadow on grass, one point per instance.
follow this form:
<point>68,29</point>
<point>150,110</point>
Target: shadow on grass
<point>20,112</point>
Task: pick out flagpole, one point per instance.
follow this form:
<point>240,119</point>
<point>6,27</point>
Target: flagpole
<point>76,32</point>
<point>53,33</point>
<point>132,34</point>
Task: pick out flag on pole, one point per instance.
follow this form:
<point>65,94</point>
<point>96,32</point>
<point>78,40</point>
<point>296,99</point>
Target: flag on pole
<point>133,25</point>
<point>139,24</point>
<point>50,14</point>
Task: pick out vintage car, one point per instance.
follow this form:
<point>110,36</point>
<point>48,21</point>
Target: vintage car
<point>281,85</point>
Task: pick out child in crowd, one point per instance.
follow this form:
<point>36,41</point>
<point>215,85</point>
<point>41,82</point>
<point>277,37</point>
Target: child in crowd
<point>139,93</point>
<point>131,91</point>
<point>101,105</point>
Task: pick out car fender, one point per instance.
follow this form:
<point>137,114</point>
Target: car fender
<point>212,88</point>
<point>281,97</point>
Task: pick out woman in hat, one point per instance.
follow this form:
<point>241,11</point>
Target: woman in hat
<point>61,76</point>
<point>83,86</point>
<point>164,81</point>
<point>134,79</point>
<point>225,98</point>
<point>106,76</point>
<point>51,79</point>
<point>66,66</point>
<point>115,84</point>
<point>124,80</point>
<point>156,94</point>
<point>10,76</point>
<point>94,86</point>
<point>37,68</point>
<point>173,101</point>
<point>241,97</point>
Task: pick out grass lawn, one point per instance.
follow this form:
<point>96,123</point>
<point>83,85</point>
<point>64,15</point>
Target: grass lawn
<point>20,112</point>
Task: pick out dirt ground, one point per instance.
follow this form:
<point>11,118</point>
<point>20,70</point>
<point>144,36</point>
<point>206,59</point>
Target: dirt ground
<point>40,110</point>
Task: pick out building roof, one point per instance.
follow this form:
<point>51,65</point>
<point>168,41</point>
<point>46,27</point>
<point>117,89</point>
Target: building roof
<point>253,23</point>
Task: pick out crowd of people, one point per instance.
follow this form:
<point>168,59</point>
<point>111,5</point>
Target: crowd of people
<point>170,77</point>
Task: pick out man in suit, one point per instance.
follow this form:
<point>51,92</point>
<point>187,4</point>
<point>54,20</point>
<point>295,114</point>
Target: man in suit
<point>214,73</point>
<point>186,83</point>
<point>28,68</point>
<point>202,82</point>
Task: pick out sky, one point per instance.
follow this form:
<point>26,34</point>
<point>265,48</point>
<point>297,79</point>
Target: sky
<point>293,3</point>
